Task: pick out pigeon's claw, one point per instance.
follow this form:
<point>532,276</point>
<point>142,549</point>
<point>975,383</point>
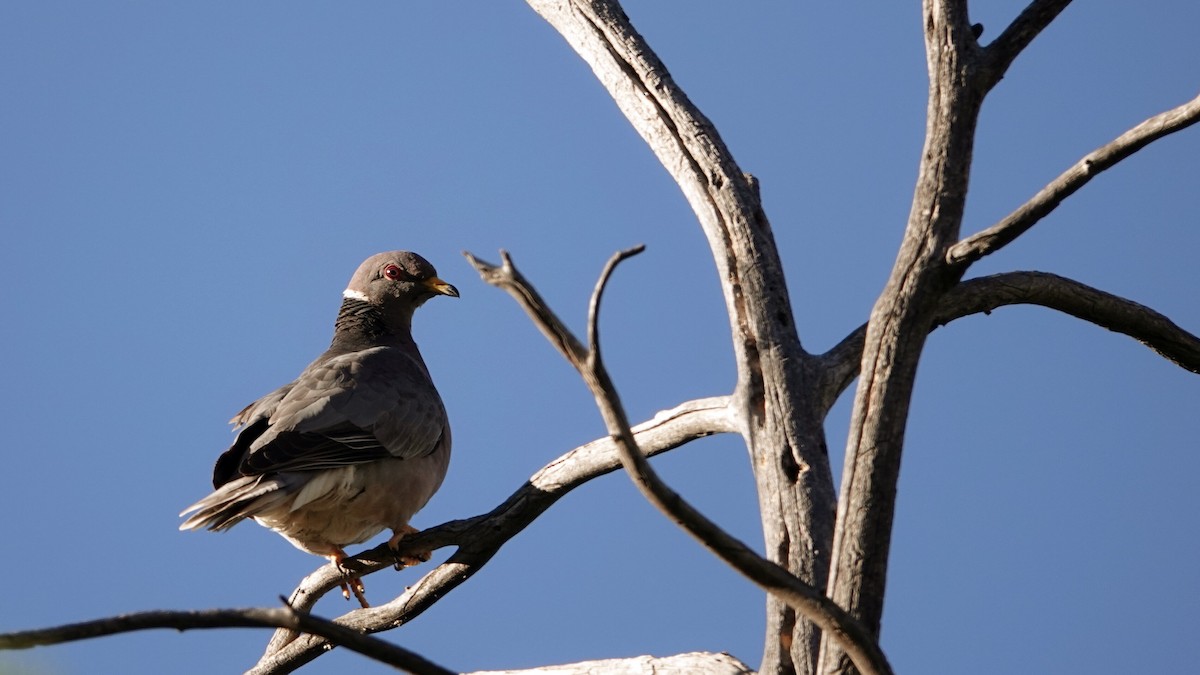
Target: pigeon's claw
<point>411,559</point>
<point>356,587</point>
<point>352,584</point>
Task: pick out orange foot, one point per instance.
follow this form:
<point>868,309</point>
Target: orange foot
<point>403,561</point>
<point>351,584</point>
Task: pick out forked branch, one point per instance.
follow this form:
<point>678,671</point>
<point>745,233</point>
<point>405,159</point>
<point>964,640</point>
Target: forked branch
<point>849,634</point>
<point>787,447</point>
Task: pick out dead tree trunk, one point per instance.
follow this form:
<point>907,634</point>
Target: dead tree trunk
<point>774,397</point>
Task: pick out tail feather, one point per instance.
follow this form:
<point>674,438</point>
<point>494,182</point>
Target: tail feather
<point>235,501</point>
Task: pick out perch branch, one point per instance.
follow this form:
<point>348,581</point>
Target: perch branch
<point>254,617</point>
<point>1028,214</point>
<point>984,294</point>
<point>850,635</point>
<point>480,537</point>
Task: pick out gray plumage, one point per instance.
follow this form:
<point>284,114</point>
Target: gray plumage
<point>359,442</point>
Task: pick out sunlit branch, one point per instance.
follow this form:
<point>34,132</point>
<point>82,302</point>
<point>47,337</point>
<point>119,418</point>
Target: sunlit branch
<point>1018,222</point>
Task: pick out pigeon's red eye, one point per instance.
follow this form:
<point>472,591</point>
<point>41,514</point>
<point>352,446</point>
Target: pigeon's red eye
<point>393,272</point>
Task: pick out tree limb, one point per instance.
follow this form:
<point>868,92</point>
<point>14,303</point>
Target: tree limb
<point>253,617</point>
<point>985,294</point>
<point>706,663</point>
<point>900,321</point>
<point>857,642</point>
<point>1081,301</point>
<point>902,314</point>
<point>479,538</point>
<point>1048,198</point>
<point>1009,44</point>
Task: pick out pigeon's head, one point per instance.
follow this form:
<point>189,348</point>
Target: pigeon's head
<point>397,280</point>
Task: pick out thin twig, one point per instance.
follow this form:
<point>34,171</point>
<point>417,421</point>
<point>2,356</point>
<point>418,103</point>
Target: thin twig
<point>253,617</point>
<point>1019,221</point>
<point>559,336</point>
<point>844,629</point>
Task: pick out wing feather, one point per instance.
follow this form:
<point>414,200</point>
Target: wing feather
<point>344,409</point>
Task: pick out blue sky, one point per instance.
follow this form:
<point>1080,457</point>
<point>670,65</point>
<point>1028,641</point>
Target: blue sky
<point>188,186</point>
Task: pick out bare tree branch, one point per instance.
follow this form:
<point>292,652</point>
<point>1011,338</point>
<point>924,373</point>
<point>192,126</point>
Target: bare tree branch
<point>985,294</point>
<point>1009,44</point>
<point>1018,222</point>
<point>858,643</point>
<point>479,538</point>
<point>253,617</point>
<point>785,440</point>
<point>1081,301</point>
<point>706,663</point>
<point>900,322</point>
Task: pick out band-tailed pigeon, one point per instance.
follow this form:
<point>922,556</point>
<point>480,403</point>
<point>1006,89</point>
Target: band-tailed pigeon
<point>356,444</point>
